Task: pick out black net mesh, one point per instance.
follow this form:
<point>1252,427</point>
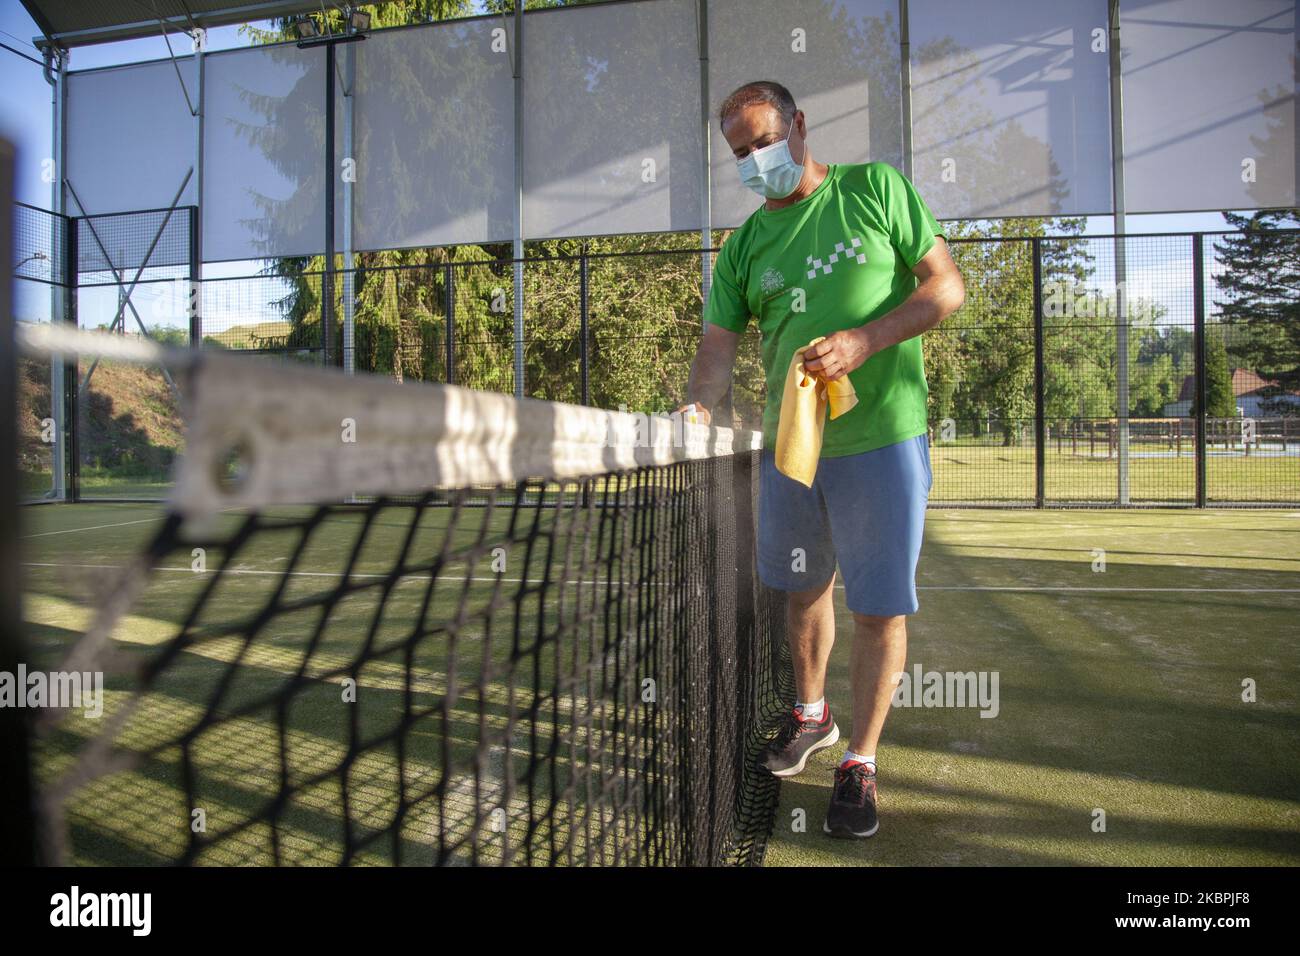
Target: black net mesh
<point>545,673</point>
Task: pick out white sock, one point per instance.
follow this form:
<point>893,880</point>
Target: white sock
<point>849,755</point>
<point>814,710</point>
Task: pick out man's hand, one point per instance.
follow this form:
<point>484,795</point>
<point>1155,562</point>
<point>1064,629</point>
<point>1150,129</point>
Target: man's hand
<point>939,293</point>
<point>711,370</point>
<point>701,413</point>
<point>838,354</point>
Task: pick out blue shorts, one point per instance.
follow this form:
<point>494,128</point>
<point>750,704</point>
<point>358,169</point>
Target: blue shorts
<point>866,511</point>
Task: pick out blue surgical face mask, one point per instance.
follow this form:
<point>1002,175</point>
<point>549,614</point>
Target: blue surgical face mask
<point>771,171</point>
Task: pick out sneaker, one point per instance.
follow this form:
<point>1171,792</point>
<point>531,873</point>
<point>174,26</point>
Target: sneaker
<point>797,740</point>
<point>852,813</point>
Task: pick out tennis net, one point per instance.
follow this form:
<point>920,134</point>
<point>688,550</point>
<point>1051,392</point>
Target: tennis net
<point>413,624</point>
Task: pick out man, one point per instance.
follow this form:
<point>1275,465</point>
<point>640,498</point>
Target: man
<point>849,252</point>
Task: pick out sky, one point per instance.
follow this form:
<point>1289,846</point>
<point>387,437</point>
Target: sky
<point>25,118</point>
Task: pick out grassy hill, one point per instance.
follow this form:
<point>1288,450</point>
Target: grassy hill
<point>261,335</point>
<point>131,427</point>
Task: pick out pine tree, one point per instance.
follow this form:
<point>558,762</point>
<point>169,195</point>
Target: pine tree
<point>1219,400</point>
<point>1260,281</point>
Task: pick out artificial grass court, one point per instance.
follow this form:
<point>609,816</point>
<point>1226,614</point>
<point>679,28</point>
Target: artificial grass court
<point>345,603</point>
<point>1118,690</point>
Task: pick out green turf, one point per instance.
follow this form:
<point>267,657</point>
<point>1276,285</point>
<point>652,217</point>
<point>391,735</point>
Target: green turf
<point>98,483</point>
<point>1126,701</point>
<point>138,816</point>
<point>966,472</point>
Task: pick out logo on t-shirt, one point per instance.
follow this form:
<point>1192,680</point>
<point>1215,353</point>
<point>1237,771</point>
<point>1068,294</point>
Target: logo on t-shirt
<point>772,281</point>
<point>840,250</point>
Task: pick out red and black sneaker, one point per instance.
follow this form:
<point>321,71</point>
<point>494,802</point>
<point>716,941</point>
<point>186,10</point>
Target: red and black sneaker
<point>852,813</point>
<point>797,740</point>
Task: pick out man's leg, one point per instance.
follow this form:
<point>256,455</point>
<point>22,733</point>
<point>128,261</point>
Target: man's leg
<point>879,653</point>
<point>794,548</point>
<point>810,727</point>
<point>810,624</point>
<point>876,503</point>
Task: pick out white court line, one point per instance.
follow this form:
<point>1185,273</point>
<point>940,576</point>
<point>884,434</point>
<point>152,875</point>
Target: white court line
<point>305,574</point>
<point>1053,587</point>
<point>420,576</point>
<point>838,587</point>
<point>98,527</point>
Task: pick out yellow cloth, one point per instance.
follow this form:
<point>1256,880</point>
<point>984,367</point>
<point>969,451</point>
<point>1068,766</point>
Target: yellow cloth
<point>803,417</point>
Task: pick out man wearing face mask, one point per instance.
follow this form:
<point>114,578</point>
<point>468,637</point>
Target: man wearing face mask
<point>850,254</point>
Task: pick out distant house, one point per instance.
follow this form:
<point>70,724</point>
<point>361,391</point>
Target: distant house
<point>1257,397</point>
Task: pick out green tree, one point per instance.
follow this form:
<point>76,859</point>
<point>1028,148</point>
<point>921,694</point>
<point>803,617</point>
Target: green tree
<point>982,358</point>
<point>1259,280</point>
<point>1219,400</point>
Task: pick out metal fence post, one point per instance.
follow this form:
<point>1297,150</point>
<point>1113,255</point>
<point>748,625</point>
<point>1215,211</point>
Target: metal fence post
<point>449,287</point>
<point>71,423</point>
<point>195,303</point>
<point>584,356</point>
<point>1198,342</point>
<point>1121,253</point>
<point>327,278</point>
<point>1040,424</point>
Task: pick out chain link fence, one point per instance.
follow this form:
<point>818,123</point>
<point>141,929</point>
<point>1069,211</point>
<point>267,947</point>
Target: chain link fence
<point>1082,371</point>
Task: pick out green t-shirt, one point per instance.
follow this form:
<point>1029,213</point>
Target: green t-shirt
<point>847,251</point>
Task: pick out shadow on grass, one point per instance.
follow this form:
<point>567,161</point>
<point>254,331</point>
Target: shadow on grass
<point>487,726</point>
<point>285,781</point>
<point>1133,698</point>
<point>967,826</point>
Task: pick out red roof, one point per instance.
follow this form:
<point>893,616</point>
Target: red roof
<point>1244,382</point>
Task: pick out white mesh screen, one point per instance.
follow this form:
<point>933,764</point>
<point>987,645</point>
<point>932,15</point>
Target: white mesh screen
<point>1209,103</point>
<point>840,61</point>
<point>611,119</point>
<point>131,137</point>
<point>1010,111</point>
<point>263,149</point>
<point>434,136</point>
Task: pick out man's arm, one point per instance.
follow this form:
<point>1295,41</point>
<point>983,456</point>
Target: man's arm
<point>711,369</point>
<point>940,293</point>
